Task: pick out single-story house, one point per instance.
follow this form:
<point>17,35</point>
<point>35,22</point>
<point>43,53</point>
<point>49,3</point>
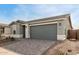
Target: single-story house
<point>2,26</point>
<point>51,28</point>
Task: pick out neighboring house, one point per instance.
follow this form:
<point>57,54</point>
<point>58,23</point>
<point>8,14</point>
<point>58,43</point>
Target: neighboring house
<point>51,28</point>
<point>7,31</point>
<point>2,26</point>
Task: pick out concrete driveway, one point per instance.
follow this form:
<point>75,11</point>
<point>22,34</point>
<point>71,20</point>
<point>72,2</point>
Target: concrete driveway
<point>29,46</point>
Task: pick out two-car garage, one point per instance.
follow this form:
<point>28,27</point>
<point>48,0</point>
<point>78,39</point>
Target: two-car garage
<point>47,31</point>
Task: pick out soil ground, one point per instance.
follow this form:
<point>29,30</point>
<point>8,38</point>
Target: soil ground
<point>67,47</point>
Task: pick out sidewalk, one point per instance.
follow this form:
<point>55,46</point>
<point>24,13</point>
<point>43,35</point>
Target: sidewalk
<point>6,52</point>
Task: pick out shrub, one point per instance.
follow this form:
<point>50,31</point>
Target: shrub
<point>12,39</point>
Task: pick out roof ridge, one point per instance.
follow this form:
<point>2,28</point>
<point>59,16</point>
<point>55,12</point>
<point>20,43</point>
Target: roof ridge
<point>58,16</point>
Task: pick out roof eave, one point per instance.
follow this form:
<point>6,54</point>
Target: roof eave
<point>70,22</point>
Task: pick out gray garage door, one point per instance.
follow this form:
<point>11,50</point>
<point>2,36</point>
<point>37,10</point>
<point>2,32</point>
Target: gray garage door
<point>44,32</point>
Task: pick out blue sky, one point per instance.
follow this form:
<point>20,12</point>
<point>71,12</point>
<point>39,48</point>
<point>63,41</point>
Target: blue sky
<point>12,12</point>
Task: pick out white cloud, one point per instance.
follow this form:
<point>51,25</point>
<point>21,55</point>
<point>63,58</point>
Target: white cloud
<point>52,9</point>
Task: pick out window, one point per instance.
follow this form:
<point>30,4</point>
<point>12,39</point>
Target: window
<point>3,30</point>
<point>59,24</point>
<point>14,32</point>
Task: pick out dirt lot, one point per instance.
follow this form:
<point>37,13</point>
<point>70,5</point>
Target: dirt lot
<point>65,48</point>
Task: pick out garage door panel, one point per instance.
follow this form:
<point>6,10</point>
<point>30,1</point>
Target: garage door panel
<point>44,32</point>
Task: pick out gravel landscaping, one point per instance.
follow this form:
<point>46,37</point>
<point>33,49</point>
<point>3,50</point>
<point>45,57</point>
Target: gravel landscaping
<point>29,46</point>
<point>39,47</point>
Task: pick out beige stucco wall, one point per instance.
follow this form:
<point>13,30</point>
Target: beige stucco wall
<point>60,28</point>
<point>66,26</point>
<point>7,30</point>
<point>18,28</point>
<point>62,31</point>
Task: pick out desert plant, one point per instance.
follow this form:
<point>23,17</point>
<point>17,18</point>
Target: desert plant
<point>12,39</point>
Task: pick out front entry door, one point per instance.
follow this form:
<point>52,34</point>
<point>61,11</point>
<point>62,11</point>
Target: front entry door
<point>23,31</point>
